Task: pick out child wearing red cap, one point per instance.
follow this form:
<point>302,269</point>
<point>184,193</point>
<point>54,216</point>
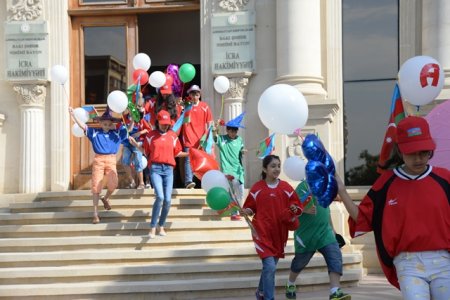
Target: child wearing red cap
<point>161,146</point>
<point>408,208</point>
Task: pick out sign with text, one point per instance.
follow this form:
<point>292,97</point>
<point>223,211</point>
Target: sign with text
<point>233,42</point>
<point>26,50</point>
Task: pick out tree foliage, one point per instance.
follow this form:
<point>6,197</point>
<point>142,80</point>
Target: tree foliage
<point>364,174</point>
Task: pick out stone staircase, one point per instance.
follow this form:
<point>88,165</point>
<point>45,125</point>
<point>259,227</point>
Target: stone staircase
<point>49,250</point>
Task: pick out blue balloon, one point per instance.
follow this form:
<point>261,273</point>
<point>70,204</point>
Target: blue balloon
<point>316,177</point>
<point>313,148</point>
<point>329,164</point>
<point>330,192</point>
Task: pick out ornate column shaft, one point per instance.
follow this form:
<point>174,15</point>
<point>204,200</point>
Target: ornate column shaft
<point>299,45</point>
<point>436,37</point>
<point>56,14</point>
<point>31,100</point>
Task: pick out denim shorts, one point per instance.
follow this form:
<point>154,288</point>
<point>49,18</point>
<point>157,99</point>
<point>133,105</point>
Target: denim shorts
<point>136,159</point>
<point>331,253</point>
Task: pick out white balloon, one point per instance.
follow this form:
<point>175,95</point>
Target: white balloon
<point>420,80</point>
<point>117,101</point>
<point>77,130</point>
<point>294,168</point>
<point>214,178</point>
<point>141,61</point>
<point>59,74</point>
<point>81,114</point>
<point>221,84</point>
<point>157,79</point>
<point>282,108</point>
<point>144,162</point>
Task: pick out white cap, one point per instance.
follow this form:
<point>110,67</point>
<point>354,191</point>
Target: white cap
<point>194,88</point>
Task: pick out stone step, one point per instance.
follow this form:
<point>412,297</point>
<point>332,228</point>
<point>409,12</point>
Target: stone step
<point>173,239</point>
<point>119,193</point>
<point>138,254</point>
<point>151,271</point>
<point>116,228</point>
<point>153,289</point>
<point>85,217</point>
<point>71,205</point>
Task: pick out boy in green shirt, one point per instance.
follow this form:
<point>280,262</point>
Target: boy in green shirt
<point>231,149</point>
<point>315,233</point>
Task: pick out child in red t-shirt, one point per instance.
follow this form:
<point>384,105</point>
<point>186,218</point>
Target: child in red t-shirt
<point>269,201</point>
<point>408,210</point>
<point>161,146</point>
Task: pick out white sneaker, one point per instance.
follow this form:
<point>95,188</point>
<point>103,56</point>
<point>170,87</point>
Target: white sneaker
<point>190,185</point>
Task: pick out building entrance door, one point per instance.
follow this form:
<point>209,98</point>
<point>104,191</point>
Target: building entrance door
<point>103,45</point>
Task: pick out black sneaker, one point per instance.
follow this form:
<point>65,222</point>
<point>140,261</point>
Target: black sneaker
<point>291,291</point>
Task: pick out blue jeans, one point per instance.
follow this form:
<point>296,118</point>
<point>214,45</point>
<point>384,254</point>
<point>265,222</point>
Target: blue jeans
<point>267,279</point>
<point>188,175</point>
<point>132,155</point>
<point>162,181</point>
<point>331,253</point>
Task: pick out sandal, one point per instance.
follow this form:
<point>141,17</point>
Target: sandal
<point>95,220</point>
<point>106,204</point>
<point>141,187</point>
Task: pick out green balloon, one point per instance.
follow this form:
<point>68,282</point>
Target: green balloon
<point>186,72</point>
<point>218,198</point>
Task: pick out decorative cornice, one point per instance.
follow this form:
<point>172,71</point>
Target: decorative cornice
<point>31,95</point>
<point>233,5</point>
<point>25,10</point>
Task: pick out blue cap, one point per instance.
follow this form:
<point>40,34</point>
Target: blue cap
<point>236,122</point>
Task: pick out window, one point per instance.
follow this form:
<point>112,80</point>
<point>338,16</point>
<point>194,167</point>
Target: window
<point>370,66</point>
<point>105,62</point>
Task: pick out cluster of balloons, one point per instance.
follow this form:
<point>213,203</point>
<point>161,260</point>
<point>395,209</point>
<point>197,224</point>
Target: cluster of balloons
<point>420,80</point>
<point>319,170</point>
<point>216,186</point>
<point>282,109</point>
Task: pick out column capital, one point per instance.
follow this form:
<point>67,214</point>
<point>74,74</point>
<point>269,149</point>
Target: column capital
<point>231,6</point>
<point>25,10</point>
<point>238,88</point>
<point>30,95</point>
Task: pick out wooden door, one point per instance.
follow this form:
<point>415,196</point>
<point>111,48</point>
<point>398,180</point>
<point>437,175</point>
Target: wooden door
<point>102,49</point>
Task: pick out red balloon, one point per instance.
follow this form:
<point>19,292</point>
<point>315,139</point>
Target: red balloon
<point>201,162</point>
<point>143,79</point>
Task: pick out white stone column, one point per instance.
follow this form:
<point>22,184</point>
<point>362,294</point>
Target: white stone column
<point>436,37</point>
<point>234,98</point>
<point>299,50</point>
<point>56,14</point>
<point>31,100</point>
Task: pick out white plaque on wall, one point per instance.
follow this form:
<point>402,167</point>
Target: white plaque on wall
<point>26,50</point>
<point>233,42</point>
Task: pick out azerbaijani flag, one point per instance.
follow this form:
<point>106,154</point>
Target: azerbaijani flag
<point>91,111</point>
<point>183,119</point>
<point>207,141</point>
<point>138,90</point>
<point>266,147</point>
<point>397,113</point>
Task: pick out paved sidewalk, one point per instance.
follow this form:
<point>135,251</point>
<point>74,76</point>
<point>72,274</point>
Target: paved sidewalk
<point>372,287</point>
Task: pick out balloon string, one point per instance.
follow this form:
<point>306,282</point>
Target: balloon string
<point>65,93</point>
<point>221,109</point>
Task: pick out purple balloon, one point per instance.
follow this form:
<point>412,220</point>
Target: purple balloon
<point>177,85</point>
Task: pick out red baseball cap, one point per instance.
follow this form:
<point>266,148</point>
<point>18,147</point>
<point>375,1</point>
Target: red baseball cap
<point>413,135</point>
<point>163,118</point>
<point>166,89</point>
